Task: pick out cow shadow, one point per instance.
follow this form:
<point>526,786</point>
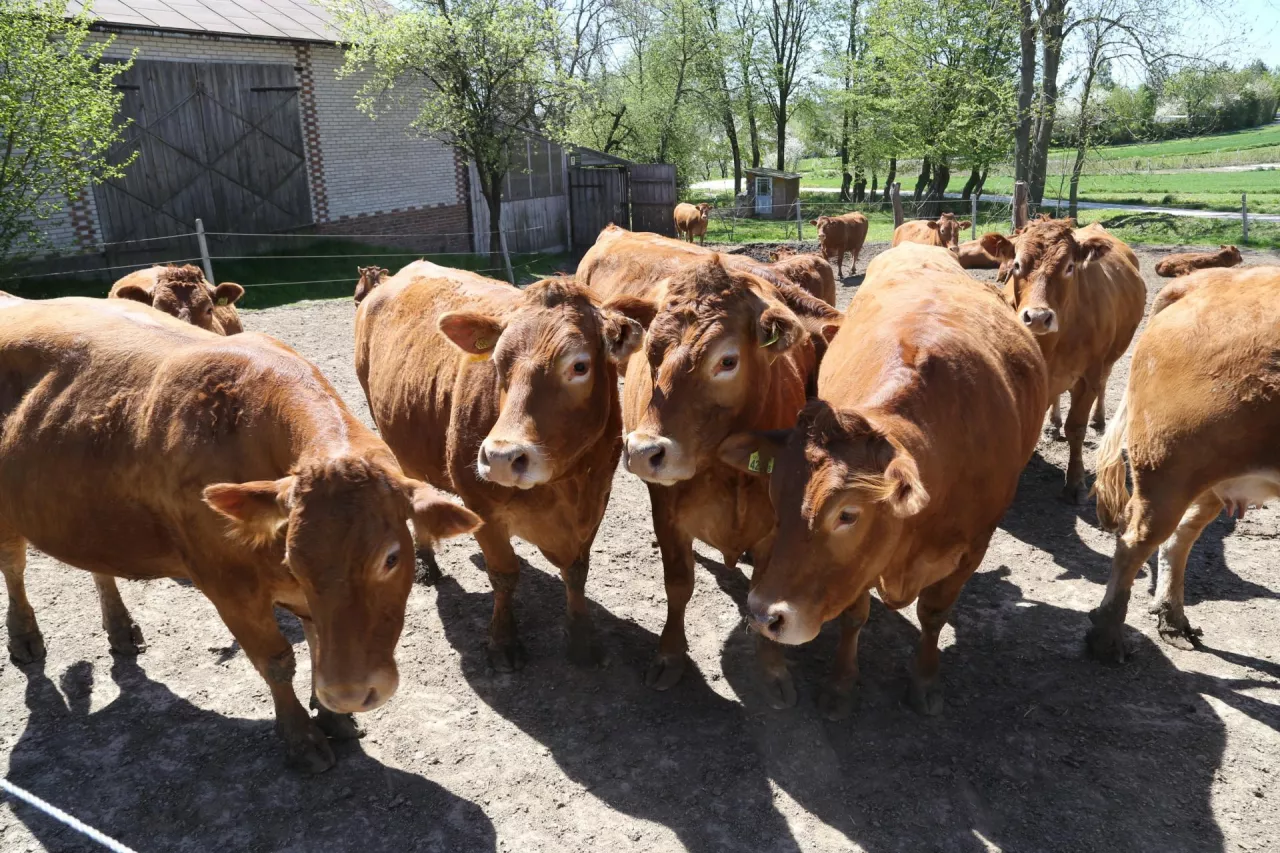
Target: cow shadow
<point>1038,748</point>
<point>1041,519</point>
<point>156,772</point>
<point>680,758</point>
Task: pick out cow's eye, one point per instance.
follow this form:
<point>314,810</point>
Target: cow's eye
<point>847,518</point>
<point>1071,268</point>
<point>580,368</point>
<point>392,560</point>
<point>728,363</point>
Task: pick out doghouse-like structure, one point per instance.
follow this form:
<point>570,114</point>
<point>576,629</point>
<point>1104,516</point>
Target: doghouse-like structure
<point>772,194</point>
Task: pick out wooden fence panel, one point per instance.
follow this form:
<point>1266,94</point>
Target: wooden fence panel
<point>597,198</point>
<point>653,197</point>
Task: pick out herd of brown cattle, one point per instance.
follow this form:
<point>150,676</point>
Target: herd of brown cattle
<point>843,452</point>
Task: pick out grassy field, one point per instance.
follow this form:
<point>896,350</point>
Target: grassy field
<point>1198,190</point>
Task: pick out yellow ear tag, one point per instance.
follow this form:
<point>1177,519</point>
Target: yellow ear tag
<point>482,344</point>
<point>773,340</point>
<point>753,462</point>
<point>222,301</point>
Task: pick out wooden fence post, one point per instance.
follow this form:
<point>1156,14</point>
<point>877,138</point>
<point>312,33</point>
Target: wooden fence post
<point>1244,216</point>
<point>799,223</point>
<point>973,217</point>
<point>506,256</point>
<point>208,264</point>
<point>1020,215</point>
<point>895,193</point>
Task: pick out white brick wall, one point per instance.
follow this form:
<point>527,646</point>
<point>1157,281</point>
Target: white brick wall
<point>372,166</point>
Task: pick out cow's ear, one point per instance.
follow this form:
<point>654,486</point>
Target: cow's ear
<point>135,293</point>
<point>1092,248</point>
<point>227,293</point>
<point>475,334</point>
<point>830,330</point>
<point>813,222</point>
<point>906,496</point>
<point>779,330</point>
<point>997,246</point>
<point>965,223</point>
<point>256,509</point>
<point>622,335</point>
<point>753,452</point>
<point>636,307</point>
<point>933,224</point>
<point>435,515</point>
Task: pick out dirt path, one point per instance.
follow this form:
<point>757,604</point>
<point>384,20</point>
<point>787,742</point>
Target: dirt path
<point>1039,748</point>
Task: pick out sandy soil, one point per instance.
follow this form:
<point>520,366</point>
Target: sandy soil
<point>1039,748</point>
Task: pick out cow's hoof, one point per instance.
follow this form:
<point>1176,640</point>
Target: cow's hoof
<point>308,751</point>
<point>1104,640</point>
<point>1075,494</point>
<point>1177,631</point>
<point>428,573</point>
<point>1098,426</point>
<point>26,648</point>
<point>336,726</point>
<point>925,697</point>
<point>509,657</point>
<point>666,671</point>
<point>1054,433</point>
<point>582,647</point>
<point>127,640</point>
<point>835,700</point>
<point>780,689</point>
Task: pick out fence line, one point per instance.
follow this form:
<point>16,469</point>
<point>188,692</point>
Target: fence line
<point>103,269</point>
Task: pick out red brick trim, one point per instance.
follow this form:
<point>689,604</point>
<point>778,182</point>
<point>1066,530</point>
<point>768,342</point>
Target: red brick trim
<point>82,220</point>
<point>311,134</point>
<point>438,228</point>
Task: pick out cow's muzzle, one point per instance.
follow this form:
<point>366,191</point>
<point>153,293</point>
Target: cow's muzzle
<point>1041,321</point>
<point>655,459</point>
<point>515,464</point>
<point>352,695</point>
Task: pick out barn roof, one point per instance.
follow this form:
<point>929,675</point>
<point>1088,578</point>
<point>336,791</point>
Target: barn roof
<point>291,20</point>
<point>772,173</point>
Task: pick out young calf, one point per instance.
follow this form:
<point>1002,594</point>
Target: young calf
<point>183,292</point>
<point>944,232</point>
<point>929,404</point>
<point>691,220</point>
<point>509,399</point>
<point>840,234</point>
<point>1173,266</point>
<point>1199,421</point>
<point>137,446</point>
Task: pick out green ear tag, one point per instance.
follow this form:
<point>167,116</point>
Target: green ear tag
<point>773,340</point>
<point>753,463</point>
<point>222,302</point>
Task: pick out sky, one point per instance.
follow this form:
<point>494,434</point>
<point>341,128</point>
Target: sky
<point>1251,31</point>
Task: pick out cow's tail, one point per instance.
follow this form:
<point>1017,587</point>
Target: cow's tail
<point>1111,487</point>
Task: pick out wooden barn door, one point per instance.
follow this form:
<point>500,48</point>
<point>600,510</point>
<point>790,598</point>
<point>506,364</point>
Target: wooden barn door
<point>653,197</point>
<point>216,141</point>
<point>597,197</point>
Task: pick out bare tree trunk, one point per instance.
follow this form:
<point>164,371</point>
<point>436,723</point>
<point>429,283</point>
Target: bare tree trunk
<point>1051,23</point>
<point>926,171</point>
<point>969,185</point>
<point>1026,89</point>
<point>491,188</point>
<point>781,121</point>
<point>845,178</point>
<point>1082,133</point>
<point>753,129</point>
<point>893,173</point>
<point>731,131</point>
<point>937,189</point>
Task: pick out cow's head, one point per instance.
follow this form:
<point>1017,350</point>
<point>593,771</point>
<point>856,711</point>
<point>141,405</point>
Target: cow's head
<point>370,277</point>
<point>712,338</point>
<point>554,358</point>
<point>843,491</point>
<point>949,228</point>
<point>346,542</point>
<point>1230,254</point>
<point>1042,272</point>
<point>782,253</point>
<point>705,210</point>
<point>184,293</point>
<point>825,225</point>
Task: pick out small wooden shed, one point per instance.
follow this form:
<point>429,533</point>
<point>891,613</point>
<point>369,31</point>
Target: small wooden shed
<point>772,193</point>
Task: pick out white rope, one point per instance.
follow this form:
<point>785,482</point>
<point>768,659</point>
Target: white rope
<point>59,815</point>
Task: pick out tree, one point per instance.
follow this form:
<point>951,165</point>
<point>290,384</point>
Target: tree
<point>479,75</point>
<point>788,26</point>
<point>58,105</point>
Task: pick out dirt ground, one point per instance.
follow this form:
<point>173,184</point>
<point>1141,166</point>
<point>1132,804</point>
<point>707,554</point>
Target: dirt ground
<point>1039,748</point>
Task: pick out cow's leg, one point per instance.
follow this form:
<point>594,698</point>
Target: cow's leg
<point>583,649</point>
<point>779,686</point>
<point>933,609</point>
<point>26,643</point>
<point>1082,395</point>
<point>1054,430</point>
<point>1099,420</point>
<point>506,653</point>
<point>334,725</point>
<point>254,626</point>
<point>677,572</point>
<point>122,632</point>
<point>428,570</point>
<point>836,699</point>
<point>840,264</point>
<point>1150,522</point>
<point>1174,627</point>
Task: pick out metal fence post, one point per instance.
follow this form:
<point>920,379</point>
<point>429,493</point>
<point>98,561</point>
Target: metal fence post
<point>973,217</point>
<point>1244,216</point>
<point>204,252</point>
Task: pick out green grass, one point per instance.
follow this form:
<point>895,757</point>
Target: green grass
<point>318,269</point>
<point>1198,190</point>
<point>1239,140</point>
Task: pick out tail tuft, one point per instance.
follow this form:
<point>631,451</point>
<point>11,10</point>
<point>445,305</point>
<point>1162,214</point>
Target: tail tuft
<point>1110,488</point>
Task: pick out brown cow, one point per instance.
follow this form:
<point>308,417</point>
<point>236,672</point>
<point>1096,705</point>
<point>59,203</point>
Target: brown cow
<point>183,292</point>
<point>943,231</point>
<point>137,446</point>
<point>509,399</point>
<point>691,220</point>
<point>1079,293</point>
<point>973,256</point>
<point>370,277</point>
<point>929,405</point>
<point>840,234</point>
<point>1199,420</point>
<point>723,354</point>
<point>811,272</point>
<point>1173,266</point>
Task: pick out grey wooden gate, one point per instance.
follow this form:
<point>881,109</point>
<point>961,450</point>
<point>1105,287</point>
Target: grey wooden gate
<point>597,197</point>
<point>653,197</point>
<point>217,141</point>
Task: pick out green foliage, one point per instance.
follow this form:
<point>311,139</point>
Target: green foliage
<point>57,116</point>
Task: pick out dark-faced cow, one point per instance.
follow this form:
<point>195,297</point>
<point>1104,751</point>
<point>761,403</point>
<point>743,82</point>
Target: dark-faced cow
<point>930,400</point>
<point>183,292</point>
<point>840,234</point>
<point>1082,296</point>
<point>691,220</point>
<point>137,446</point>
<point>509,399</point>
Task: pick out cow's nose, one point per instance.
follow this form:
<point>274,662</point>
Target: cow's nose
<point>349,697</point>
<point>510,463</point>
<point>646,454</point>
<point>1039,320</point>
